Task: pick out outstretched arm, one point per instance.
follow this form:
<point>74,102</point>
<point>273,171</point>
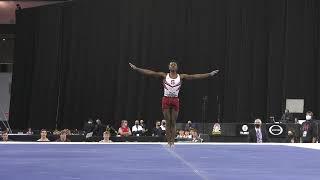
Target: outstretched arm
<point>198,76</point>
<point>147,71</point>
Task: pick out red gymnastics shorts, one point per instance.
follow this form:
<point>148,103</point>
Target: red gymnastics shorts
<point>168,102</point>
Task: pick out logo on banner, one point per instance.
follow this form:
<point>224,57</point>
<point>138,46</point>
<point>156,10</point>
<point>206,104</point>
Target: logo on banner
<point>216,130</point>
<point>245,127</point>
<point>275,130</point>
<point>244,130</point>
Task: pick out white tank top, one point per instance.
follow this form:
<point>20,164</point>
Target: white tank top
<point>171,86</point>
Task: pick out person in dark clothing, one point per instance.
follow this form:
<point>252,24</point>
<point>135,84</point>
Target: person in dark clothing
<point>308,132</point>
<point>287,117</point>
<point>143,125</point>
<point>113,132</point>
<point>89,126</point>
<point>189,126</point>
<point>258,134</point>
<point>157,131</point>
<point>291,138</point>
<point>99,128</point>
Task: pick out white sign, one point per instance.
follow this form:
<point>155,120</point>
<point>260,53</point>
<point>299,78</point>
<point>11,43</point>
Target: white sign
<point>295,105</point>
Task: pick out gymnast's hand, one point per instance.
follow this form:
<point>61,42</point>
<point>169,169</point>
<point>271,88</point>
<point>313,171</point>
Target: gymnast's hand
<point>213,72</point>
<point>133,66</point>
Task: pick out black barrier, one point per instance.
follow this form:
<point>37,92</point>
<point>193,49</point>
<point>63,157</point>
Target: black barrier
<point>82,138</point>
<point>230,132</point>
<point>277,130</point>
<point>243,129</point>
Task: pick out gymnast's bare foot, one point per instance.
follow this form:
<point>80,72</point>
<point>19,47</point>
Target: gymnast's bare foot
<point>171,144</point>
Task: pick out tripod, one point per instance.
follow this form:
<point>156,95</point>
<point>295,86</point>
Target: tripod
<point>204,112</point>
<point>5,122</point>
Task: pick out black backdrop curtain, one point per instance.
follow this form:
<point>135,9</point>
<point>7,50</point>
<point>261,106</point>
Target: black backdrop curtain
<point>71,59</point>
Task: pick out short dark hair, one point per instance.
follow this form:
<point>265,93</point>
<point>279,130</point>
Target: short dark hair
<point>173,62</point>
<point>4,132</point>
<point>65,131</point>
<point>123,121</point>
<point>309,112</point>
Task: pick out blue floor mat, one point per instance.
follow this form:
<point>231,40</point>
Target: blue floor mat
<point>157,162</point>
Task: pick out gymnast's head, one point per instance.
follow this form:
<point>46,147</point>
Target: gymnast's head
<point>173,66</point>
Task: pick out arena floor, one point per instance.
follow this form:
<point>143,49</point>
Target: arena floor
<point>155,161</point>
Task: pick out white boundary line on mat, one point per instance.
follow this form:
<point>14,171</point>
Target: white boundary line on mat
<point>315,146</point>
<point>73,143</point>
<point>177,156</point>
<point>301,145</point>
